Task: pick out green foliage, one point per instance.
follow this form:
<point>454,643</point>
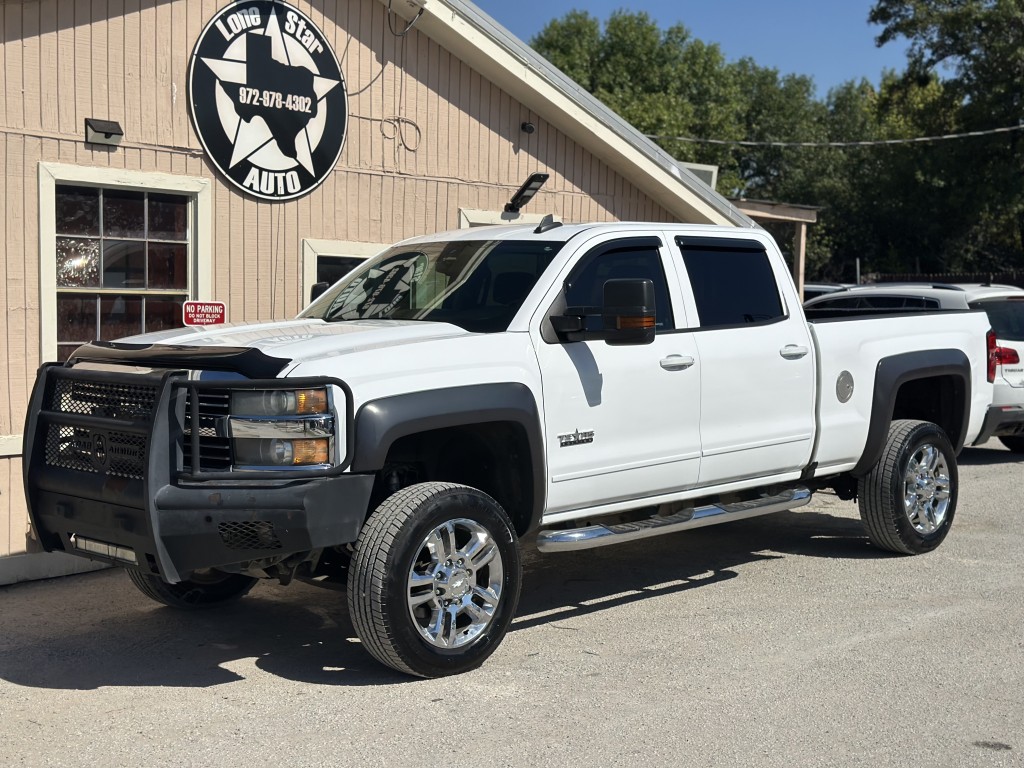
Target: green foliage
<point>904,207</point>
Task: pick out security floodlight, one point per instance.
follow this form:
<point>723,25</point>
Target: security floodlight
<point>526,192</point>
<point>102,131</point>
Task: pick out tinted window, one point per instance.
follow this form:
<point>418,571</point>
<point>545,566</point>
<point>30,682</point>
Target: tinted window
<point>585,288</point>
<point>847,303</point>
<point>1006,317</point>
<point>732,287</point>
<point>899,302</point>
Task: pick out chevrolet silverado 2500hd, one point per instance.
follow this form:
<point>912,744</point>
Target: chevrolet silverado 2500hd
<point>586,384</point>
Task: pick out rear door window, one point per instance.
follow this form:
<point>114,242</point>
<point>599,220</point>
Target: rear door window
<point>733,283</point>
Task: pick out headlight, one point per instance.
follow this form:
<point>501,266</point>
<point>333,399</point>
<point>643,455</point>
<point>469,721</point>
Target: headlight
<point>286,428</point>
<point>277,452</point>
<point>279,402</point>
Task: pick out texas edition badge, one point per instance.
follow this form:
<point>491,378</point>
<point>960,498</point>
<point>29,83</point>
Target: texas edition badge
<point>267,99</point>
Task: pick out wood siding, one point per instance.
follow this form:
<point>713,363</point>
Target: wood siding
<point>427,135</point>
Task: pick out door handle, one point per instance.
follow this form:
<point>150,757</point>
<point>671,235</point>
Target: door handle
<point>793,351</point>
<point>676,362</point>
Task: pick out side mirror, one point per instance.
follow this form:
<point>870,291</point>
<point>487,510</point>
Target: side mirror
<point>627,315</point>
<point>317,291</point>
<point>628,311</point>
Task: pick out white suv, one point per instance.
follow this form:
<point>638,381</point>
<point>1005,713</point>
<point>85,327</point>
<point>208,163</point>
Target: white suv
<point>1004,305</point>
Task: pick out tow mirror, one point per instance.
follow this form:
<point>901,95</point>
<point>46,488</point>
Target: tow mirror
<point>627,315</point>
<point>317,291</point>
<point>629,311</point>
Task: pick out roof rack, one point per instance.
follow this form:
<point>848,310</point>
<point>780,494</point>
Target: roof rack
<point>915,284</point>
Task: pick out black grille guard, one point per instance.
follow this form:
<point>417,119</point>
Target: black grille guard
<point>117,441</point>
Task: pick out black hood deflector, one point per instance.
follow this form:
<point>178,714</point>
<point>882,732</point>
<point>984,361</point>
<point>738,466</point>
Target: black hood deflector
<point>248,361</point>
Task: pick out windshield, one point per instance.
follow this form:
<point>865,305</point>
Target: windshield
<point>478,285</point>
<point>1006,316</point>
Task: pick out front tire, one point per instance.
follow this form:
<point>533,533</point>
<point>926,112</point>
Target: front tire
<point>908,499</point>
<point>435,579</point>
<point>206,589</point>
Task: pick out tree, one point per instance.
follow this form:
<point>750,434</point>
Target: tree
<point>978,45</point>
<point>898,207</point>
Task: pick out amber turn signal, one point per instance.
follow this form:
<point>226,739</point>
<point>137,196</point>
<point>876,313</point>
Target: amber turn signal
<point>634,323</point>
<point>309,452</point>
<point>310,401</point>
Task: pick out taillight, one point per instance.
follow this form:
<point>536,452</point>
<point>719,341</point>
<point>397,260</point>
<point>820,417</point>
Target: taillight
<point>1007,356</point>
<point>990,343</point>
<point>998,355</point>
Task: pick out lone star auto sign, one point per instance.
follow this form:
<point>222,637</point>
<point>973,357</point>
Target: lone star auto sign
<point>267,99</point>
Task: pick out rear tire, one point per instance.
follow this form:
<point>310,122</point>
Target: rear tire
<point>207,589</point>
<point>435,579</point>
<point>908,499</point>
<point>1014,442</point>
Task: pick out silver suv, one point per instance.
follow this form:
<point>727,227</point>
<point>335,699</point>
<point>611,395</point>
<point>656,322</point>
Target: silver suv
<point>1004,305</point>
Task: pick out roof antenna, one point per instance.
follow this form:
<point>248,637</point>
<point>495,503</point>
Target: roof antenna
<point>548,222</point>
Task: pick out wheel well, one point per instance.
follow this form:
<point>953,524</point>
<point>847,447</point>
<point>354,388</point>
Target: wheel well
<point>938,399</point>
<point>493,457</point>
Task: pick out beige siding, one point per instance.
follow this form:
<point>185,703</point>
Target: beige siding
<point>427,135</point>
<point>14,527</point>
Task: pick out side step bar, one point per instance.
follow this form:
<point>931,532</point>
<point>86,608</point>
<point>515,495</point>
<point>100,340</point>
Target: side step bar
<point>602,535</point>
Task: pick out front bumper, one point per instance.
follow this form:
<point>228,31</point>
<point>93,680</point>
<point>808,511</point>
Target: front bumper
<point>1001,421</point>
<point>107,477</point>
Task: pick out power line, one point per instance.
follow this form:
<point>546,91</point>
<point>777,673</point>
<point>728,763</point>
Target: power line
<point>874,143</point>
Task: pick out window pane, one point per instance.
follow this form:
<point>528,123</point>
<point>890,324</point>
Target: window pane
<point>168,267</point>
<point>1006,316</point>
<point>123,213</point>
<point>124,264</point>
<point>76,317</point>
<point>330,269</point>
<point>78,262</point>
<point>168,217</point>
<point>120,316</point>
<point>585,287</point>
<point>78,211</point>
<point>163,312</point>
<point>724,299</point>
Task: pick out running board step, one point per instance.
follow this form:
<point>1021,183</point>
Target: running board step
<point>603,535</point>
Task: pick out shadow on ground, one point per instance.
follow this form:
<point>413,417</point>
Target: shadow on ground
<point>989,453</point>
<point>96,630</point>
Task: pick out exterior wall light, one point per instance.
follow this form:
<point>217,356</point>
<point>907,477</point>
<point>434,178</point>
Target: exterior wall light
<point>108,132</point>
<point>526,192</point>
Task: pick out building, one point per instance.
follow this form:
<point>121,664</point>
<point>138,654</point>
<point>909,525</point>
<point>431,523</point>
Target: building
<point>159,151</point>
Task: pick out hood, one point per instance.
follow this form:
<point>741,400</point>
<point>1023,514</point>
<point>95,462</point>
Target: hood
<point>303,339</point>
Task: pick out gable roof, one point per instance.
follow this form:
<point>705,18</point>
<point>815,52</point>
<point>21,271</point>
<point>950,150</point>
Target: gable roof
<point>509,63</point>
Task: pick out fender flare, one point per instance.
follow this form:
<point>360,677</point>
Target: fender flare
<point>379,423</point>
<point>891,373</point>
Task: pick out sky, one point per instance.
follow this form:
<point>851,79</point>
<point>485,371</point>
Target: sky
<point>829,40</point>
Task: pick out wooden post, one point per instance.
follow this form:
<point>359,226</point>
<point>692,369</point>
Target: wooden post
<point>800,257</point>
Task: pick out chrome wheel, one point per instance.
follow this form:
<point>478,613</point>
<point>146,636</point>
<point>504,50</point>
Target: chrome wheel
<point>455,584</point>
<point>926,489</point>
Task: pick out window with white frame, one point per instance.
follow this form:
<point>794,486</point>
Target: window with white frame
<point>120,252</point>
<point>122,263</point>
<point>327,261</point>
<point>475,217</point>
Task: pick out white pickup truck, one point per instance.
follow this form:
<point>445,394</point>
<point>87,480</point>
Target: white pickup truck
<point>583,384</point>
